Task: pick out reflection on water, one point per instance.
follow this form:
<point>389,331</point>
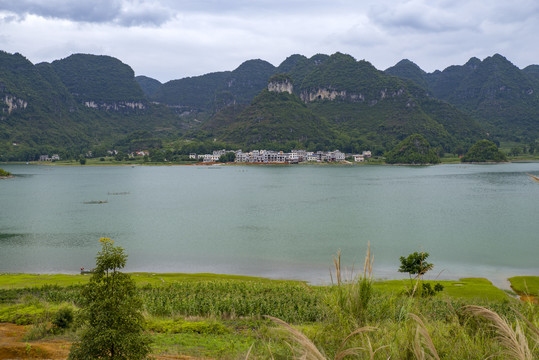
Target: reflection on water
<point>273,221</point>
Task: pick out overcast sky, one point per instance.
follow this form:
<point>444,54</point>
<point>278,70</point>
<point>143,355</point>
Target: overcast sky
<point>171,39</point>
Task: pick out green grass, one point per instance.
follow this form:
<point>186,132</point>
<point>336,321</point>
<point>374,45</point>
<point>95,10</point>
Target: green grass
<point>19,281</point>
<point>221,316</point>
<point>227,346</point>
<point>467,288</point>
<point>525,285</point>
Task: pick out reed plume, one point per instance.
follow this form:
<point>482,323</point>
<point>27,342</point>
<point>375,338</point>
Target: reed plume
<point>514,341</point>
<point>423,346</point>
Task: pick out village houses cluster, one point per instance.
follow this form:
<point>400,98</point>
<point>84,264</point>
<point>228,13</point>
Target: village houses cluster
<point>270,156</point>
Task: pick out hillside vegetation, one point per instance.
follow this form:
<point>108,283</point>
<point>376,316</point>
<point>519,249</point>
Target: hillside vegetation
<point>87,104</point>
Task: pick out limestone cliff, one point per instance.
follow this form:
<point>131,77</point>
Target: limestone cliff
<point>13,103</point>
<point>280,83</point>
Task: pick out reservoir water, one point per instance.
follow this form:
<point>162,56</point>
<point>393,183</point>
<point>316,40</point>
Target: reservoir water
<point>273,221</point>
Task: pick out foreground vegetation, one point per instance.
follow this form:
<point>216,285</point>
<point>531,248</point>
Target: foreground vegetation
<point>223,316</point>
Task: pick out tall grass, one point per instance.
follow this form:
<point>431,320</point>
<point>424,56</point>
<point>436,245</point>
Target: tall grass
<point>513,340</point>
<point>304,348</point>
<point>348,301</point>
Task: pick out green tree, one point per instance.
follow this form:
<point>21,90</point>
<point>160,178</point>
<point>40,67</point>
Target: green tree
<point>516,151</point>
<point>227,157</point>
<point>82,160</point>
<point>531,148</point>
<point>415,264</point>
<point>415,149</point>
<point>483,151</point>
<point>111,311</point>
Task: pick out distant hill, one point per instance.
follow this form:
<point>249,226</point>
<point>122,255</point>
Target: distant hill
<point>101,79</point>
<point>71,105</point>
<point>356,106</point>
<point>406,69</point>
<point>503,98</point>
<point>214,91</point>
<point>90,102</point>
<point>273,120</point>
<point>148,85</point>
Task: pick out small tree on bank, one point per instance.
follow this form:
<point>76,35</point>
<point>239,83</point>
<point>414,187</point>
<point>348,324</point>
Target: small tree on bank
<point>415,264</point>
<point>111,311</point>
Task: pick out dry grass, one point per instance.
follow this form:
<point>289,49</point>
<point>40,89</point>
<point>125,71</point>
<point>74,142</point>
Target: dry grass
<point>513,340</point>
<point>423,346</point>
<point>369,261</point>
<point>337,265</point>
<point>307,349</point>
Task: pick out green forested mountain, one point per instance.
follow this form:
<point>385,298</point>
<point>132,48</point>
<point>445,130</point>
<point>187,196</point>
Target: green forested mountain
<point>148,85</point>
<point>34,107</point>
<point>214,91</point>
<point>273,120</point>
<point>409,70</point>
<point>503,98</point>
<point>88,102</point>
<point>71,105</point>
<point>102,79</point>
<point>361,107</point>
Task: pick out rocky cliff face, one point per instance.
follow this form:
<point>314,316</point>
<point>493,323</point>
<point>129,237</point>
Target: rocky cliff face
<point>13,103</point>
<point>281,86</point>
<point>331,94</point>
<point>115,106</point>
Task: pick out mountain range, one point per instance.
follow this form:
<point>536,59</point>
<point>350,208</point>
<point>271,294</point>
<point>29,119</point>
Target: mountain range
<point>89,102</point>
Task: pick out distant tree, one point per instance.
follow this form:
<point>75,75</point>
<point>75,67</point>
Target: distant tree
<point>228,157</point>
<point>111,307</point>
<point>484,151</point>
<point>515,151</point>
<point>157,155</point>
<point>531,148</point>
<point>415,149</point>
<point>82,160</point>
<point>4,173</point>
<point>415,264</point>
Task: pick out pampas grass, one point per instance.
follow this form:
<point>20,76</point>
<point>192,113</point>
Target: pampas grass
<point>514,341</point>
<point>423,346</point>
<point>309,351</point>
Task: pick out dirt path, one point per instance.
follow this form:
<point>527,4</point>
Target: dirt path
<point>12,346</point>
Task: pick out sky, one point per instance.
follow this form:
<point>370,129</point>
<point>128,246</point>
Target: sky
<point>173,39</point>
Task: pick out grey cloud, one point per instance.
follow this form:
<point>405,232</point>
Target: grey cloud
<point>416,19</point>
<point>136,13</point>
<point>88,11</point>
<point>122,12</point>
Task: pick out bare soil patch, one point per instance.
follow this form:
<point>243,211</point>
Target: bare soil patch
<point>12,346</point>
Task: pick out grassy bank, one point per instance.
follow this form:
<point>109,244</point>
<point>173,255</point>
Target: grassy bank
<point>221,316</point>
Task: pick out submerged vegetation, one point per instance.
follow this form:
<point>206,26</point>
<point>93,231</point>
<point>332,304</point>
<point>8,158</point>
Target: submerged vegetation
<point>231,317</point>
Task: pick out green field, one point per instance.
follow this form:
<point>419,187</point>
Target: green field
<point>222,316</point>
<point>525,285</point>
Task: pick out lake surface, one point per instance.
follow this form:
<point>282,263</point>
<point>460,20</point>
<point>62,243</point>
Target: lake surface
<point>273,221</point>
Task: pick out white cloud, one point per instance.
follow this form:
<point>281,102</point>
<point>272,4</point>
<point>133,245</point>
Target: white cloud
<point>169,39</point>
